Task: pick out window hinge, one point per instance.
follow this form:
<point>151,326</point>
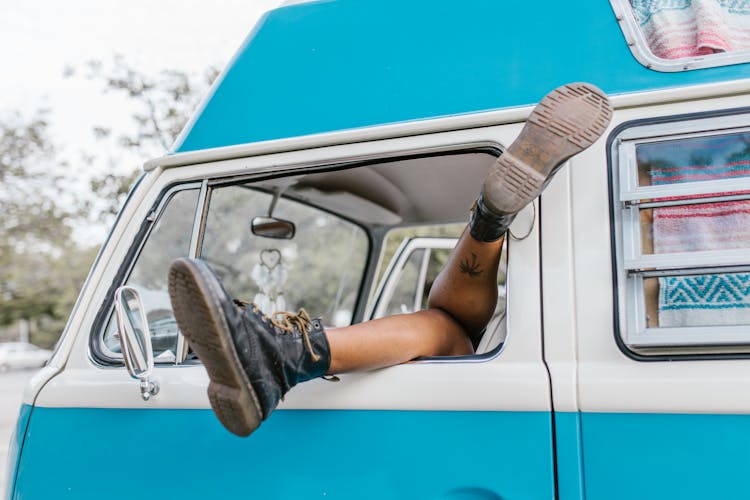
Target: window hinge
<point>636,271</point>
<point>151,217</point>
<point>687,271</point>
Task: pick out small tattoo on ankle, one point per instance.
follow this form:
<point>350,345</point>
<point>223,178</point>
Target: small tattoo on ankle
<point>472,269</point>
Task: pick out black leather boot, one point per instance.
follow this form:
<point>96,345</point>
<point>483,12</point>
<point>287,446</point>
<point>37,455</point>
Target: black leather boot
<point>485,225</point>
<point>252,360</point>
<point>565,122</point>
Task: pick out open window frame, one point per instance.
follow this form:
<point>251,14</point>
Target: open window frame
<point>105,357</point>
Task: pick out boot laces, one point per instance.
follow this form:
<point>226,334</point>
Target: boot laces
<point>287,322</point>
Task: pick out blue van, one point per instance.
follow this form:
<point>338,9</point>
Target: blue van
<point>617,366</point>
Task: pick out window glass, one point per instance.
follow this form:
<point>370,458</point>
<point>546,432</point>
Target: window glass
<point>397,236</point>
<point>678,29</point>
<point>168,240</point>
<point>404,294</point>
<point>694,159</point>
<point>696,227</point>
<point>320,269</point>
<point>685,255</point>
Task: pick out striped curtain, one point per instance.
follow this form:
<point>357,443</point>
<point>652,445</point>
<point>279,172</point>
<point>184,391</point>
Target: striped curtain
<point>709,299</point>
<point>685,28</point>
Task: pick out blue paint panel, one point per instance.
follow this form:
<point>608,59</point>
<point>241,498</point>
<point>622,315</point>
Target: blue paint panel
<point>87,453</point>
<point>16,441</point>
<point>342,64</point>
<point>569,456</point>
<point>662,456</point>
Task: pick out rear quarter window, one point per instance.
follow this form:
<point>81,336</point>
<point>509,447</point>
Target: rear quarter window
<point>679,35</point>
<point>681,207</point>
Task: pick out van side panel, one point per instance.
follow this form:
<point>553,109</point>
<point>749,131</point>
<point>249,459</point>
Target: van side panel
<point>333,454</point>
<point>569,456</point>
<point>14,450</point>
<point>325,66</point>
<point>638,455</point>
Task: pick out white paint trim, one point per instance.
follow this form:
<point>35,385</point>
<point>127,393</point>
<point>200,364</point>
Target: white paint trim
<point>415,386</point>
<point>287,3</point>
<point>666,387</point>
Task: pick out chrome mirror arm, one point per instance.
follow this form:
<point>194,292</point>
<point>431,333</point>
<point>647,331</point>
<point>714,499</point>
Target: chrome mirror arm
<point>135,339</point>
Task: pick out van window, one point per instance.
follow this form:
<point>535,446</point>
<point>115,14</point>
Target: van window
<point>408,293</point>
<point>677,35</point>
<point>682,203</point>
<point>319,269</point>
<point>338,213</point>
<point>168,240</point>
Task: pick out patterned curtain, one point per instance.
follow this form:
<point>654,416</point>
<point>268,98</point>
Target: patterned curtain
<point>685,28</point>
<point>707,299</point>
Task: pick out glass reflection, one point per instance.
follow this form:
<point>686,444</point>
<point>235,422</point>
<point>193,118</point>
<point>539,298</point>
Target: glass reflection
<point>694,159</point>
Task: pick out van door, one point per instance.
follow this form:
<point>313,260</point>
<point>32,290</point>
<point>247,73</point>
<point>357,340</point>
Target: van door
<point>665,397</point>
<point>467,427</point>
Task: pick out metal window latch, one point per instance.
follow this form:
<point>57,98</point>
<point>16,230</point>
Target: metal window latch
<point>151,217</point>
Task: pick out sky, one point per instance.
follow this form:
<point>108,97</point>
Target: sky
<point>41,38</point>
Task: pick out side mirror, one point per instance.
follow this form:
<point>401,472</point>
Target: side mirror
<point>271,227</point>
<point>135,339</point>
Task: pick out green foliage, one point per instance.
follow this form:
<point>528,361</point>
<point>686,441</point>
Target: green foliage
<point>24,149</point>
<point>162,102</point>
<point>41,267</point>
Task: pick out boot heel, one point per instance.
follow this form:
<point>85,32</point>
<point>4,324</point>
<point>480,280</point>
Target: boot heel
<point>512,182</point>
<point>233,408</point>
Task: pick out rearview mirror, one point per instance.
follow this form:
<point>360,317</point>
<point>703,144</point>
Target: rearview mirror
<point>135,338</point>
<point>271,227</point>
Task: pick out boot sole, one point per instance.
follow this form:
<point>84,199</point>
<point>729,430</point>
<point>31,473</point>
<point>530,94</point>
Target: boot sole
<point>195,302</point>
<point>568,120</point>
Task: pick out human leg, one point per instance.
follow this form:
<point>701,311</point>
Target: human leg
<point>466,288</point>
<point>396,339</point>
<point>568,120</point>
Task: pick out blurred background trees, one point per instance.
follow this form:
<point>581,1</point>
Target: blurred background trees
<point>42,262</point>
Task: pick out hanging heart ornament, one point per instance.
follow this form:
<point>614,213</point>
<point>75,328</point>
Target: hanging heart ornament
<point>270,257</point>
